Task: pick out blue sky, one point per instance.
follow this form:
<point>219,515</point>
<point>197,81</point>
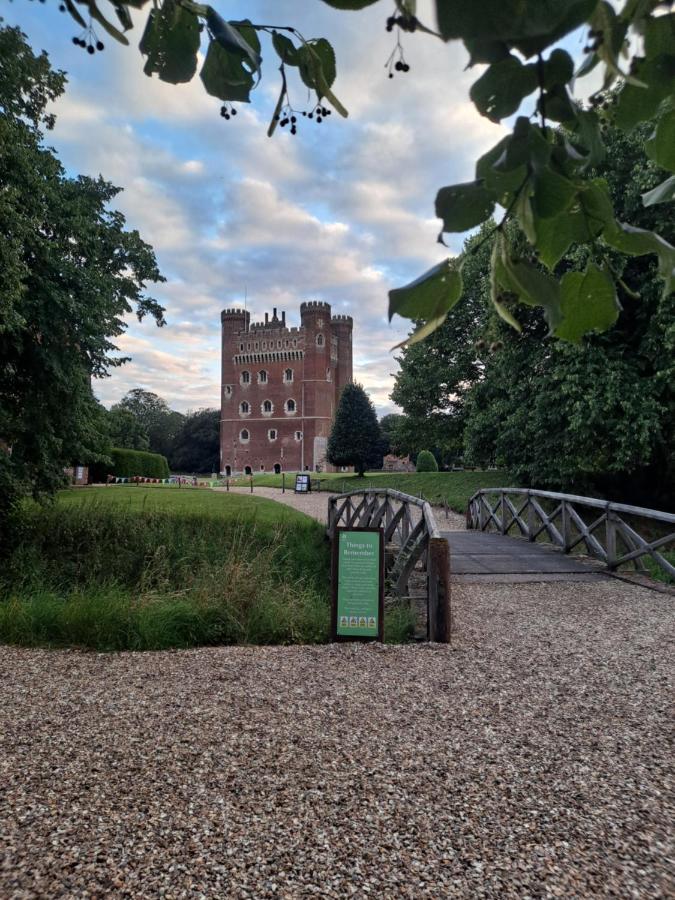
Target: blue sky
<point>342,212</point>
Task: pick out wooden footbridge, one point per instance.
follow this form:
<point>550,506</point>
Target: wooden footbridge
<point>512,535</point>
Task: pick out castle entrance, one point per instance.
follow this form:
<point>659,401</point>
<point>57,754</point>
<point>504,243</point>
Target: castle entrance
<point>277,468</point>
<point>228,471</point>
<point>248,470</point>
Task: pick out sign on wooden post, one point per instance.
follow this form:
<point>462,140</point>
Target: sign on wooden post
<point>357,610</point>
<point>303,485</point>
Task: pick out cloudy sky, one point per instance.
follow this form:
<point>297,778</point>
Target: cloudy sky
<point>341,212</point>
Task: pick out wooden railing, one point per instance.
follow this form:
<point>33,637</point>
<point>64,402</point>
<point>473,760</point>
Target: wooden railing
<point>412,542</point>
<point>609,532</point>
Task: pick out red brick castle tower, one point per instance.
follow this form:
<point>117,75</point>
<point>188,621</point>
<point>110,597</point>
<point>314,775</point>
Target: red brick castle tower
<point>280,388</point>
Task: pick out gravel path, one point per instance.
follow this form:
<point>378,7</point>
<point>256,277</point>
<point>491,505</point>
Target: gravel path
<point>316,505</point>
<point>531,759</point>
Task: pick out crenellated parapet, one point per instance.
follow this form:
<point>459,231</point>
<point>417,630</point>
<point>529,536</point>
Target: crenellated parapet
<point>314,305</point>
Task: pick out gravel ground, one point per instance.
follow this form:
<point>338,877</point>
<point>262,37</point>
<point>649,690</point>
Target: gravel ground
<point>531,759</point>
<point>316,505</point>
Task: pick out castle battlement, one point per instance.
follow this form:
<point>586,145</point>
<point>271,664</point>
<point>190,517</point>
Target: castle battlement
<point>340,318</point>
<point>314,304</point>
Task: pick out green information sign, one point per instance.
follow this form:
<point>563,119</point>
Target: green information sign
<point>358,584</point>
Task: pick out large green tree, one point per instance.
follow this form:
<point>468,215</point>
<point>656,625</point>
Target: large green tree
<point>126,431</point>
<point>536,175</point>
<point>355,439</point>
<point>196,447</point>
<point>69,274</point>
<point>160,423</point>
<point>599,416</point>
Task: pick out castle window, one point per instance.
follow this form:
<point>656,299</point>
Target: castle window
<point>244,408</point>
<point>241,348</point>
<point>298,435</point>
<point>278,343</point>
<point>319,323</point>
<point>256,346</point>
<point>262,467</point>
<point>272,434</point>
<point>290,406</point>
<point>262,376</point>
<point>288,375</point>
<point>319,340</point>
<point>295,342</point>
<point>228,390</point>
<point>264,345</point>
<point>245,377</point>
<point>248,346</point>
<point>244,436</point>
<point>267,407</point>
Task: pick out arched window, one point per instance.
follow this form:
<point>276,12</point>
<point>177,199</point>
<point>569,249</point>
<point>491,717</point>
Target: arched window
<point>290,406</point>
<point>267,406</point>
<point>319,340</point>
<point>272,434</point>
<point>298,435</point>
<point>262,376</point>
<point>244,408</point>
<point>245,377</point>
<point>244,436</point>
<point>228,390</point>
<point>288,375</point>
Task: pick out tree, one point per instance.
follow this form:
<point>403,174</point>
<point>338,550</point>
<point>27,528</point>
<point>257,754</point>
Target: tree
<point>434,377</point>
<point>196,447</point>
<point>596,418</point>
<point>355,439</point>
<point>540,176</point>
<point>390,426</point>
<point>126,431</point>
<point>426,462</point>
<point>69,274</point>
<point>155,418</point>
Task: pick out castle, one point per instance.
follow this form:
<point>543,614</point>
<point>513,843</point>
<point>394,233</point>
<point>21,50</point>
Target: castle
<point>280,388</point>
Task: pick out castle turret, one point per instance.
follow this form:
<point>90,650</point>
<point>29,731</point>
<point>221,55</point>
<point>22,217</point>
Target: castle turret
<point>342,327</point>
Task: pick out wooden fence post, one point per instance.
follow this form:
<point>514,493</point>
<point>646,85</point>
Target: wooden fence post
<point>251,483</point>
<point>531,524</point>
<point>566,529</point>
<point>439,608</point>
<point>503,512</point>
<point>283,482</point>
<point>610,538</point>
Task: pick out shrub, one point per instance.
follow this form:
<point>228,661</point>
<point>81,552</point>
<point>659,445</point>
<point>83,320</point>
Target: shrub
<point>127,463</point>
<point>426,462</point>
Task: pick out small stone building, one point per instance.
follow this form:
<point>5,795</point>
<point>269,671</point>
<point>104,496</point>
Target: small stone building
<point>280,388</point>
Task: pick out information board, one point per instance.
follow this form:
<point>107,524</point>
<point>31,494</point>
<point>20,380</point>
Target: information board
<point>302,483</point>
<point>358,584</point>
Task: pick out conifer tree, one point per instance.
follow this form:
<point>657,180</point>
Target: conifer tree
<point>356,439</point>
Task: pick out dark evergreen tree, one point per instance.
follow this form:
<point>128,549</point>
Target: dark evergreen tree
<point>356,439</point>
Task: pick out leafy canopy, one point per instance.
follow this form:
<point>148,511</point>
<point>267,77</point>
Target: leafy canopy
<point>70,273</point>
<point>537,175</point>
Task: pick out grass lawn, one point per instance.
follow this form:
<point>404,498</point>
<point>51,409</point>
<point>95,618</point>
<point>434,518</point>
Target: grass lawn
<point>455,488</point>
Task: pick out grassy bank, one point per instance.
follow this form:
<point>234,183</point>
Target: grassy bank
<point>133,568</point>
<point>453,488</point>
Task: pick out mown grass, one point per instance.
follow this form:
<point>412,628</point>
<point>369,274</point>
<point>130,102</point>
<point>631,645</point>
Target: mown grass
<point>133,568</point>
<point>453,488</point>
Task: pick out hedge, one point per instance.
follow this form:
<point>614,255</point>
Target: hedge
<point>426,462</point>
<point>127,463</point>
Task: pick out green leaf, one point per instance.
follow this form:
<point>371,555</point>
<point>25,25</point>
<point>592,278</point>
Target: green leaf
<point>171,41</point>
<point>659,35</point>
<point>498,279</point>
<point>634,103</point>
<point>238,39</point>
<point>224,75</point>
<point>463,206</point>
<point>525,213</point>
<point>531,25</point>
<point>661,145</point>
<point>638,242</point>
<point>431,296</point>
<point>534,288</point>
<point>287,51</point>
<point>485,51</point>
<point>553,193</point>
<point>557,105</point>
<point>589,303</point>
<point>588,131</point>
<point>502,88</point>
<point>500,182</point>
<point>558,69</point>
<point>596,204</point>
<point>308,55</point>
<point>556,235</point>
<point>662,193</point>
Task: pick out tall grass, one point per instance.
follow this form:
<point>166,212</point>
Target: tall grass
<point>109,578</point>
